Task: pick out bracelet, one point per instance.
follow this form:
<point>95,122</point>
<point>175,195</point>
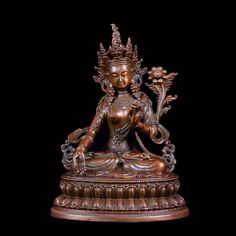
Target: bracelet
<point>89,137</point>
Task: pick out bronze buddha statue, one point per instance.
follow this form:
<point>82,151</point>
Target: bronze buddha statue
<point>124,160</point>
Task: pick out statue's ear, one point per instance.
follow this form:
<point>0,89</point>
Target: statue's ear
<point>106,75</point>
<point>132,79</point>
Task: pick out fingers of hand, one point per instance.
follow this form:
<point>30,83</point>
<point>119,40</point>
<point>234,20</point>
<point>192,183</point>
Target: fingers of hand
<point>81,159</point>
<point>134,106</point>
<point>137,117</point>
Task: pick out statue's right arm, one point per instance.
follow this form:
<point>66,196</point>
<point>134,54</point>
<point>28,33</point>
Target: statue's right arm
<point>78,162</point>
<point>87,139</point>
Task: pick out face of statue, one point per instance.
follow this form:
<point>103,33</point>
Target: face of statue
<point>120,76</point>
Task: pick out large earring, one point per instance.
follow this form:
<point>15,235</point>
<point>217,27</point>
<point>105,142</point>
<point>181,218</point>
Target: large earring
<point>138,79</point>
<point>135,86</point>
<point>108,88</point>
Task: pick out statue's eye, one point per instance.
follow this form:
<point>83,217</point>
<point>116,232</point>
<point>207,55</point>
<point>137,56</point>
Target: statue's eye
<point>115,75</point>
<point>124,73</point>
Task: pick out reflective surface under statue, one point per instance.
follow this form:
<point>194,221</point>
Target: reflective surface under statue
<point>125,114</point>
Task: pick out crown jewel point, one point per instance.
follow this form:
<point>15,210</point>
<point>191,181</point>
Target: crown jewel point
<point>117,51</point>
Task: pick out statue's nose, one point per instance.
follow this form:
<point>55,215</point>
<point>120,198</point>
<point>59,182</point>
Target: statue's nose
<point>120,78</point>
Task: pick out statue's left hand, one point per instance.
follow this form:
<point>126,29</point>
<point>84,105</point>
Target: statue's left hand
<point>137,114</point>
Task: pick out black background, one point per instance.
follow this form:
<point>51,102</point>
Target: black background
<point>60,45</point>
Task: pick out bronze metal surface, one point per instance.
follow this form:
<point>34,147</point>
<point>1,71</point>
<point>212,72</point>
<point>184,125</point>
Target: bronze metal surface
<point>123,181</point>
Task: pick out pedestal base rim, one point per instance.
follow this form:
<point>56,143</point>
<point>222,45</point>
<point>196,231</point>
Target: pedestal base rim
<point>122,216</point>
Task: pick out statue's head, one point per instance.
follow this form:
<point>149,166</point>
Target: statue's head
<point>119,65</point>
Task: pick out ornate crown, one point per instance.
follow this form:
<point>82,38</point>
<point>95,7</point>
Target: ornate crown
<point>117,51</point>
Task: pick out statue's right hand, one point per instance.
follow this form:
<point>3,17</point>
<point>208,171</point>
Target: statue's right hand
<point>78,162</point>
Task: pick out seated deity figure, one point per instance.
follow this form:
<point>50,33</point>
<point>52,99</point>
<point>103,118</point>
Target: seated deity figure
<point>127,114</point>
<point>115,171</point>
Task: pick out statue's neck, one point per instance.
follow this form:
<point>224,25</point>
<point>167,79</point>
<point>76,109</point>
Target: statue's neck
<point>122,93</point>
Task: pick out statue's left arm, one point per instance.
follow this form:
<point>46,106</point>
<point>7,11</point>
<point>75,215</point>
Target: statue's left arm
<point>145,120</point>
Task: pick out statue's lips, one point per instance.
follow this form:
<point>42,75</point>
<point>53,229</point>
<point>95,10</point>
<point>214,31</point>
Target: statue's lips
<point>121,84</point>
